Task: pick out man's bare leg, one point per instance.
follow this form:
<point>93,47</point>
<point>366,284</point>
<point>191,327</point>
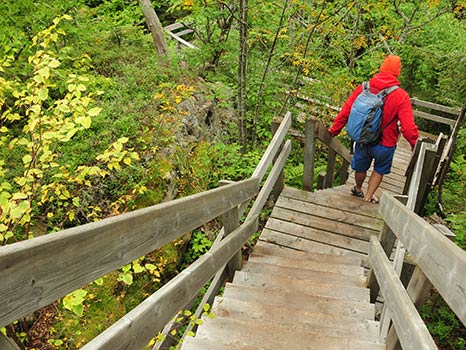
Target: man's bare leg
<point>359,177</point>
<point>373,184</point>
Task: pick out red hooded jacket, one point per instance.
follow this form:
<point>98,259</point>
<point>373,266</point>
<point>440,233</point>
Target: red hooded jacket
<point>397,107</point>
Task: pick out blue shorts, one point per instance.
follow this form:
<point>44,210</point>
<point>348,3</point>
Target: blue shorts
<point>363,156</point>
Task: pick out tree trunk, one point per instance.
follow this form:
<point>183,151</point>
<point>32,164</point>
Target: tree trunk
<point>154,26</point>
<point>242,73</point>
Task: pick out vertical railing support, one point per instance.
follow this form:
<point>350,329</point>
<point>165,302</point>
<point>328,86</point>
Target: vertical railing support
<point>344,172</point>
<point>230,221</point>
<point>309,153</point>
<point>387,240</point>
<point>332,155</point>
<point>280,183</point>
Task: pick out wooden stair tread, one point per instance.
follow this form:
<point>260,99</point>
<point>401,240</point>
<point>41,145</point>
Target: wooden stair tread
<point>315,287</point>
<point>296,318</point>
<point>308,302</point>
<point>191,343</point>
<point>265,248</point>
<point>350,270</point>
<point>269,336</point>
<point>302,273</point>
<point>306,245</point>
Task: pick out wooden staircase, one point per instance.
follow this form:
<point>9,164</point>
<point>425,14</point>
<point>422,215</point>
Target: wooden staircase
<point>289,299</point>
<point>304,285</point>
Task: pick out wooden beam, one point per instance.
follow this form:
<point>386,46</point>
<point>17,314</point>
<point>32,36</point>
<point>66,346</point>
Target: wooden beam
<point>273,147</point>
<point>135,329</point>
<point>331,161</point>
<point>271,179</point>
<point>411,330</point>
<point>387,240</point>
<point>29,275</point>
<point>450,110</point>
<point>6,343</point>
<point>181,40</point>
<point>324,135</point>
<point>309,154</point>
<point>443,262</point>
<point>434,118</point>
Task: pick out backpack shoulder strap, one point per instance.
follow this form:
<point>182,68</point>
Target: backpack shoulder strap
<point>388,90</point>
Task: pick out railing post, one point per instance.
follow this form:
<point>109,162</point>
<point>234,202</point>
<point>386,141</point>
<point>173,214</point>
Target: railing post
<point>280,183</point>
<point>330,168</point>
<point>344,172</point>
<point>230,221</point>
<point>387,240</point>
<point>309,153</point>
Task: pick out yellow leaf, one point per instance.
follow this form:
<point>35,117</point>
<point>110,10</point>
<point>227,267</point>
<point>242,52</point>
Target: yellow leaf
<point>54,63</point>
<point>94,111</point>
<point>127,161</point>
<point>27,159</point>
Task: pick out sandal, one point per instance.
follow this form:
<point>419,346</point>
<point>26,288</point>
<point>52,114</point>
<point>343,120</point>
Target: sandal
<point>357,193</point>
<point>374,199</point>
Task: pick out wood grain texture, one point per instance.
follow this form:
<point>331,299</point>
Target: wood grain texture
<point>135,329</point>
<point>443,262</point>
<point>411,330</point>
<point>36,272</point>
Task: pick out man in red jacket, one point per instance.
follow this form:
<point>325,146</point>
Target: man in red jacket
<point>397,108</point>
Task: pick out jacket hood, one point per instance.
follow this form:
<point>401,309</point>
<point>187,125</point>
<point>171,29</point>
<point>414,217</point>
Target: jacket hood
<point>381,81</point>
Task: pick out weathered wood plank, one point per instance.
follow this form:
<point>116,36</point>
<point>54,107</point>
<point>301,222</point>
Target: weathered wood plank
<point>139,326</point>
<point>306,320</point>
<point>434,118</point>
<point>181,40</point>
<point>324,135</point>
<point>331,162</point>
<point>441,260</point>
<point>350,270</point>
<point>273,147</point>
<point>309,302</point>
<point>318,286</point>
<point>271,179</point>
<point>28,270</point>
<point>298,243</point>
<point>411,330</point>
<point>6,343</point>
<point>329,213</point>
<point>451,110</point>
<point>309,154</point>
<point>258,336</point>
<point>334,200</point>
<point>318,235</point>
<point>272,249</point>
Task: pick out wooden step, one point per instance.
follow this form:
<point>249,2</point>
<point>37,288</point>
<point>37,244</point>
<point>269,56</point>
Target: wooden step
<point>272,337</point>
<point>265,248</point>
<point>191,343</point>
<point>314,287</point>
<point>297,318</point>
<point>293,242</point>
<point>301,273</point>
<point>349,270</point>
<point>326,305</point>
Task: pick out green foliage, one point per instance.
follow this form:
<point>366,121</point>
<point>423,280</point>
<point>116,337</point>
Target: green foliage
<point>443,323</point>
<point>198,245</point>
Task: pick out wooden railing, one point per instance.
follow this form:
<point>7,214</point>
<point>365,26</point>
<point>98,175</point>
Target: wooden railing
<point>436,113</point>
<point>315,129</point>
<point>438,260</point>
<point>36,272</point>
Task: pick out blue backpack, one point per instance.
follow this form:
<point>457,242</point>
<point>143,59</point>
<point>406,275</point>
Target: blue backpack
<point>366,116</point>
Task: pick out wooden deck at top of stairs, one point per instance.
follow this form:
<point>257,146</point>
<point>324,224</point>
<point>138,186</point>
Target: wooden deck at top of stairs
<point>303,286</point>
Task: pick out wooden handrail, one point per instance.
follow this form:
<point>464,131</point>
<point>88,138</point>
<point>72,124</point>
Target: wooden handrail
<point>325,137</point>
<point>436,107</point>
<point>273,147</point>
<point>443,262</point>
<point>138,327</point>
<point>30,279</point>
<point>411,330</point>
